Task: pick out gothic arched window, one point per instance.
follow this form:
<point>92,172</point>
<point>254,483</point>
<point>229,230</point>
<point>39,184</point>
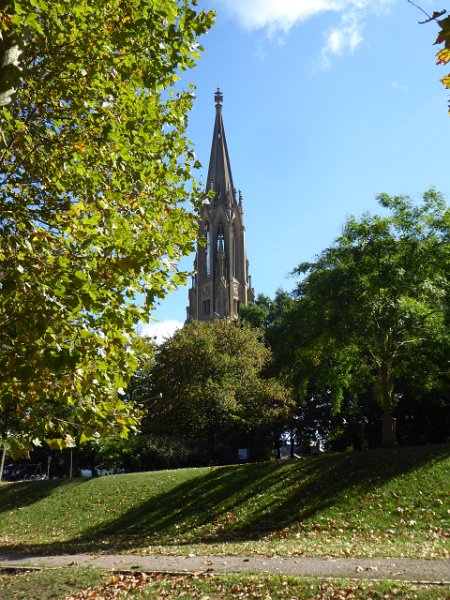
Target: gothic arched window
<point>235,253</point>
<point>208,250</point>
<point>220,237</point>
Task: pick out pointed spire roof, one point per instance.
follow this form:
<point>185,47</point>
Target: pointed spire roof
<point>220,178</point>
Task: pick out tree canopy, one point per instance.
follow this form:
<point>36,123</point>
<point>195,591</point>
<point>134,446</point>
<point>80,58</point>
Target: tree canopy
<point>96,193</point>
<point>208,379</point>
<point>266,314</point>
<point>372,305</point>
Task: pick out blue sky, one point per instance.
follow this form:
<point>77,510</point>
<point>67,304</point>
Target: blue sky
<point>326,104</point>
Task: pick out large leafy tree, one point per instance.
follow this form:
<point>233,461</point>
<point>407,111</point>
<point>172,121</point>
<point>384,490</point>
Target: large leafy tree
<point>373,302</point>
<point>95,195</point>
<point>207,380</point>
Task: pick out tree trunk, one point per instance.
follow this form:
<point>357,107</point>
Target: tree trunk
<point>10,67</point>
<point>388,435</point>
<point>211,447</point>
<point>2,462</point>
<point>277,446</point>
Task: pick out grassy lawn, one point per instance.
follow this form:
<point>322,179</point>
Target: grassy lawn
<point>90,583</point>
<point>374,503</point>
<point>49,584</point>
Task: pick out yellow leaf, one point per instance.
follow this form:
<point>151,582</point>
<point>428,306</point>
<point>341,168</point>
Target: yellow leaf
<point>443,56</point>
<point>446,81</point>
<point>55,443</point>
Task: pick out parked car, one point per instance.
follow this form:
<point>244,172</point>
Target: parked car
<point>23,472</point>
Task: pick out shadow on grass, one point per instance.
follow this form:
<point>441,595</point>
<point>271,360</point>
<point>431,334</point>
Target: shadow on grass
<point>242,503</point>
<point>14,496</point>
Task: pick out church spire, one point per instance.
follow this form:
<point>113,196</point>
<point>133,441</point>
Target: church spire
<point>220,178</point>
<point>221,283</point>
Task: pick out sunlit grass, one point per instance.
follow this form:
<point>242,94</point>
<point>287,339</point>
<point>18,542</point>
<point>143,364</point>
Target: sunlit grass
<point>374,503</point>
<point>48,583</point>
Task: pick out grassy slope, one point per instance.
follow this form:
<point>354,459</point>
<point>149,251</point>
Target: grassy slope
<point>376,503</point>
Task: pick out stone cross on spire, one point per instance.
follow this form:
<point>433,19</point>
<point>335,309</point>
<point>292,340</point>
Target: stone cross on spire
<point>218,97</point>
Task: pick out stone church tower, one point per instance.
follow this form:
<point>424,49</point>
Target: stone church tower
<point>221,282</point>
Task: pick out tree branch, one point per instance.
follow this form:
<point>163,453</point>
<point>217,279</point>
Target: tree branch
<point>436,14</point>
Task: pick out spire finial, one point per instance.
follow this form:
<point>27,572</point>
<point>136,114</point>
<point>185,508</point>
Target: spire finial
<point>218,97</point>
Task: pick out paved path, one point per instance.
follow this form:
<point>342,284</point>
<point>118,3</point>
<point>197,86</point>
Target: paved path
<point>362,568</point>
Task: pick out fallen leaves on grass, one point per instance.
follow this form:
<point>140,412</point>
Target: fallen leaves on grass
<point>117,586</point>
<point>205,586</point>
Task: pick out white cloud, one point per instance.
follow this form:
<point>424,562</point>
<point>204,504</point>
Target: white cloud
<point>279,16</point>
<point>160,331</point>
<point>343,39</point>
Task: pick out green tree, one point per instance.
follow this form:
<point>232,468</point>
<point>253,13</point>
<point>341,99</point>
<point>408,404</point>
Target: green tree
<point>372,303</point>
<point>256,313</point>
<point>268,315</point>
<point>206,381</point>
<point>95,198</point>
